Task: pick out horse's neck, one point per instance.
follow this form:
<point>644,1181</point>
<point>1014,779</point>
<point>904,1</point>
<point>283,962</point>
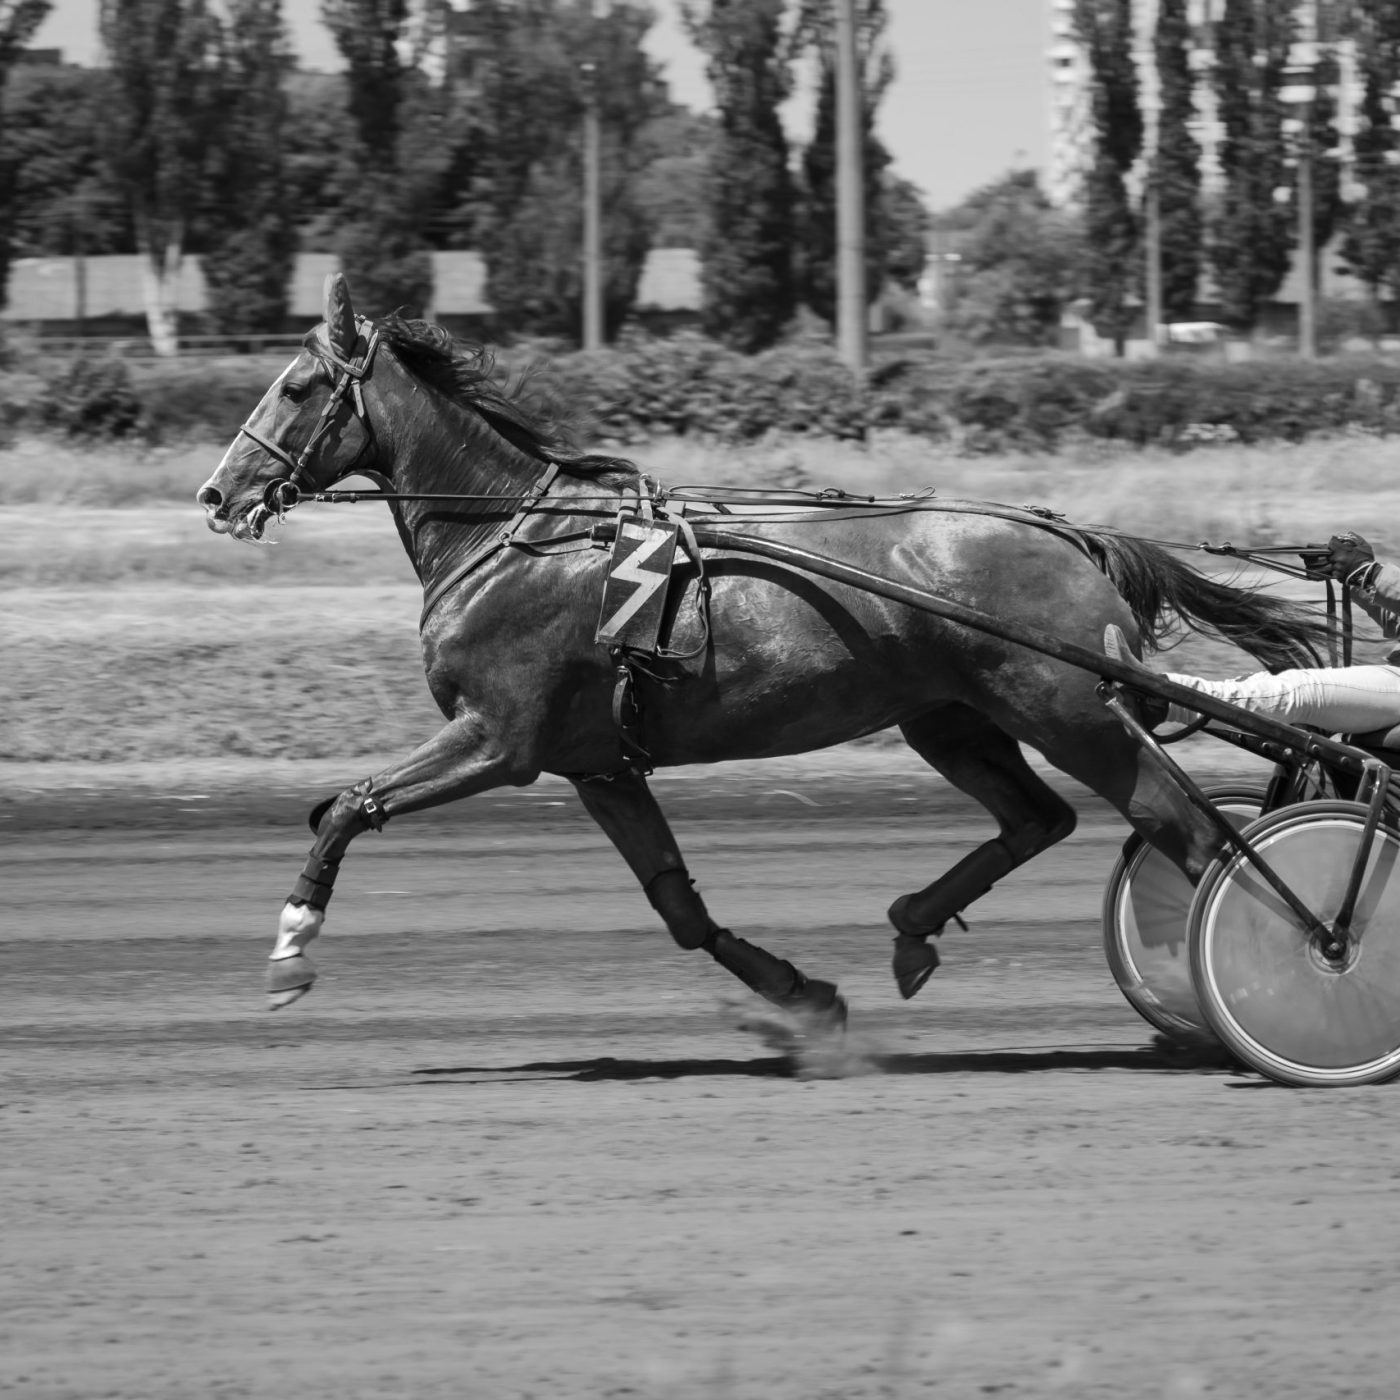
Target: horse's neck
<point>446,449</point>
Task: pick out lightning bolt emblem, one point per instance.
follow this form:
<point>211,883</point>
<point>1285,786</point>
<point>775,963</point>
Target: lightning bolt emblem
<point>631,571</point>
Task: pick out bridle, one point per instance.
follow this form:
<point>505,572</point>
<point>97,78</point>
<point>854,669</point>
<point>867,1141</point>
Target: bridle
<point>284,492</point>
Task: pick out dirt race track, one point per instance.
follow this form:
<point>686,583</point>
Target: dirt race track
<point>517,1144</point>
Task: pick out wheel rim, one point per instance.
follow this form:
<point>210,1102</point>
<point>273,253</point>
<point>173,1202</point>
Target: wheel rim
<point>1266,985</point>
<point>1145,927</point>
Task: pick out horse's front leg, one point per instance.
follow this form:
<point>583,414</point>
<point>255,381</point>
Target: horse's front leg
<point>622,804</point>
<point>463,759</point>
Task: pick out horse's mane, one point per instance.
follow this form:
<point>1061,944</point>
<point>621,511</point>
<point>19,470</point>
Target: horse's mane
<point>522,412</point>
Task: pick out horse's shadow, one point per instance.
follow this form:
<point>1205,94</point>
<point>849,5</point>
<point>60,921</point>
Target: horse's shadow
<point>1149,1059</point>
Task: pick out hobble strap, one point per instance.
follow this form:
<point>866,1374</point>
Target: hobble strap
<point>371,809</point>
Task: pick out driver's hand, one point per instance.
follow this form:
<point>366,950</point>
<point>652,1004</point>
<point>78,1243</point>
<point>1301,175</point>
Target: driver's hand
<point>1346,554</point>
<point>1315,562</point>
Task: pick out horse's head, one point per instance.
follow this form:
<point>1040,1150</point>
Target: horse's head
<point>308,432</point>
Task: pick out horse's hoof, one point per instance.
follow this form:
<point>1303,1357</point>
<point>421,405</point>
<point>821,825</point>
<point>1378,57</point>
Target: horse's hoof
<point>820,1008</point>
<point>914,962</point>
<point>288,980</point>
<point>832,1020</point>
<point>277,1000</point>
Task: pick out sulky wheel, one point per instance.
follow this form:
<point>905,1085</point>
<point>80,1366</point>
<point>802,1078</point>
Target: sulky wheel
<point>1284,1002</point>
<point>1144,925</point>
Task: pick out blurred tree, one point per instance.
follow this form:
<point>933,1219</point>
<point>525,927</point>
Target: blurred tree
<point>1371,246</point>
<point>1254,230</point>
<point>816,219</point>
<point>1018,263</point>
<point>528,191</point>
<point>1325,140</point>
<point>62,200</point>
<point>1113,266</point>
<point>18,21</point>
<point>675,144</point>
<point>381,214</point>
<point>312,152</point>
<point>905,221</point>
<point>1177,168</point>
<point>250,246</point>
<point>160,122</point>
<point>748,282</point>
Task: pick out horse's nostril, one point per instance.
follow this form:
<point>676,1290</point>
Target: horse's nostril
<point>209,497</point>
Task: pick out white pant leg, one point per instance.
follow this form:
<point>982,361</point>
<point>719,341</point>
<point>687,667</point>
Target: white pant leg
<point>1341,700</point>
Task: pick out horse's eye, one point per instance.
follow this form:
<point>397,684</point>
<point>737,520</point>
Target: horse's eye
<point>294,390</point>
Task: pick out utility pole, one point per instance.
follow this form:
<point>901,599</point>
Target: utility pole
<point>1152,231</point>
<point>592,213</point>
<point>851,313</point>
<point>1307,251</point>
<point>1307,230</point>
<point>1154,257</point>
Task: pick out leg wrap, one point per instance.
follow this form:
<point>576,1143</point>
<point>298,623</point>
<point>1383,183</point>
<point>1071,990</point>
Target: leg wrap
<point>316,883</point>
<point>925,912</point>
<point>755,967</point>
<point>672,894</point>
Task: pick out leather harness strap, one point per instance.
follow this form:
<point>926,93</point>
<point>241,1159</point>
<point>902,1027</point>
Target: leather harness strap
<point>284,493</point>
<point>490,547</point>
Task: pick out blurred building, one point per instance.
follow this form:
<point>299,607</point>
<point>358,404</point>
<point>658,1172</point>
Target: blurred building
<point>102,296</point>
<point>1316,51</point>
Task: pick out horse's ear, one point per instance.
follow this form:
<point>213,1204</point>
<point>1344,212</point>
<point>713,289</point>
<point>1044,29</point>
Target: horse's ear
<point>340,316</point>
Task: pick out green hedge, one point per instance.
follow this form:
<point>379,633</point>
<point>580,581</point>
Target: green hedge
<point>1033,400</point>
<point>691,386</point>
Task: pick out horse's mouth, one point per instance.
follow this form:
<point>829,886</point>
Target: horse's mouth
<point>247,526</point>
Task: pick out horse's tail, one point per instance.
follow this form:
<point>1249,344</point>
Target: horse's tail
<point>1164,592</point>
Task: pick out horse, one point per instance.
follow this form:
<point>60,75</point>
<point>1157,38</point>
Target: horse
<point>499,513</point>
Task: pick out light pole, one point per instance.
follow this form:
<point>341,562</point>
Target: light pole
<point>592,213</point>
<point>1307,213</point>
<point>1307,249</point>
<point>850,194</point>
<point>1152,220</point>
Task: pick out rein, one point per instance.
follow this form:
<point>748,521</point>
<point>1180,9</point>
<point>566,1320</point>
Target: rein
<point>283,493</point>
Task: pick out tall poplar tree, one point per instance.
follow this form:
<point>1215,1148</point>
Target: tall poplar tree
<point>251,244</point>
<point>379,229</point>
<point>748,286</point>
<point>1324,141</point>
<point>1254,231</point>
<point>1371,246</point>
<point>163,111</point>
<point>817,213</point>
<point>1113,263</point>
<point>533,95</point>
<point>1177,167</point>
<point>18,21</point>
<point>62,200</point>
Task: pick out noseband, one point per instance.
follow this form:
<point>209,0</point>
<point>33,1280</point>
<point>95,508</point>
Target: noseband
<point>284,492</point>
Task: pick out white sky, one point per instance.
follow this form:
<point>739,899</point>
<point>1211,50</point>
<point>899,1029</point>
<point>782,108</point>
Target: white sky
<point>968,101</point>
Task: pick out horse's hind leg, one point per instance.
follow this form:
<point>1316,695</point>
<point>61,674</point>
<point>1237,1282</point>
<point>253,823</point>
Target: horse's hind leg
<point>623,806</point>
<point>986,763</point>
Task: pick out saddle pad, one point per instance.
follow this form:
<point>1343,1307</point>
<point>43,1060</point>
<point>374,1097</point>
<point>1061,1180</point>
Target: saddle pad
<point>634,594</point>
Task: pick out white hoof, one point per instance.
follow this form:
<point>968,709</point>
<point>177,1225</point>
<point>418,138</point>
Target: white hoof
<point>277,1000</point>
<point>288,979</point>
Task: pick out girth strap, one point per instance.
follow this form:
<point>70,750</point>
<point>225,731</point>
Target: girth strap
<point>627,714</point>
